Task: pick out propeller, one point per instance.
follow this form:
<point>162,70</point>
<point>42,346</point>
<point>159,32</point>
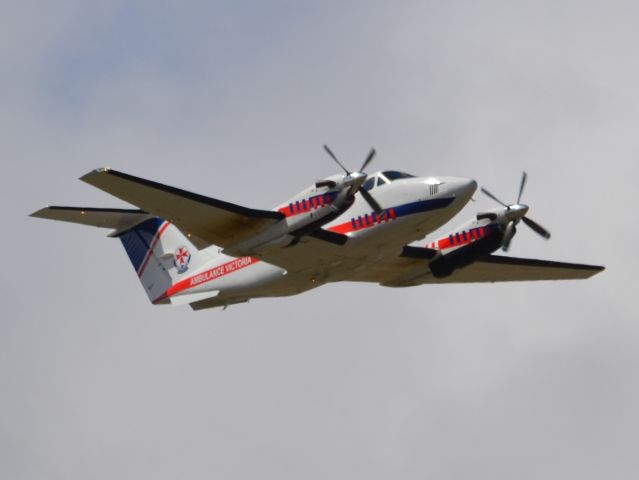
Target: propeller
<point>515,213</point>
<point>353,180</point>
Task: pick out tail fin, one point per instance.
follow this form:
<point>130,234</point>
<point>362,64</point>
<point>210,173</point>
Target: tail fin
<point>161,255</point>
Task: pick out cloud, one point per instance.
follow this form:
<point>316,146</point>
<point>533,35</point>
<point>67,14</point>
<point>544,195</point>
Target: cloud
<point>234,100</point>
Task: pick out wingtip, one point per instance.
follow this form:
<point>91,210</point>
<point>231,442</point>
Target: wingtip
<point>595,268</point>
<point>92,173</point>
<point>39,213</point>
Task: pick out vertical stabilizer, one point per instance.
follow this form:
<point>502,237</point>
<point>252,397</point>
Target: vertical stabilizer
<point>161,255</point>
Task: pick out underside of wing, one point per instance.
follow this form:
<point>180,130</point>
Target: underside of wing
<point>324,253</point>
<point>117,219</point>
<point>495,268</point>
<point>207,220</point>
<point>411,271</point>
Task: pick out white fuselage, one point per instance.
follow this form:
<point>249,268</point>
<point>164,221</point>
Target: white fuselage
<point>412,208</point>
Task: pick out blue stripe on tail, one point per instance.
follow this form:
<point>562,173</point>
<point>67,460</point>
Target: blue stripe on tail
<point>137,241</point>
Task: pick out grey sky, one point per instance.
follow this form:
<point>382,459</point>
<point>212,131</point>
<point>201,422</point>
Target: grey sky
<point>234,100</point>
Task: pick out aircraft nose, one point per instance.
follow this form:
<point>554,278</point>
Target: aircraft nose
<point>471,185</point>
<point>464,188</point>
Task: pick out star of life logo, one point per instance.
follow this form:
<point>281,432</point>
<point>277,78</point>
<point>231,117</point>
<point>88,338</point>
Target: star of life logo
<point>181,259</point>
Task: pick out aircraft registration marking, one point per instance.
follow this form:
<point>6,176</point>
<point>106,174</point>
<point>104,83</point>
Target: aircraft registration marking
<point>221,270</point>
<point>208,275</point>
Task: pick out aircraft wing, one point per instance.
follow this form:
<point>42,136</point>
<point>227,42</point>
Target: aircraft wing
<point>206,220</point>
<point>312,254</point>
<point>496,268</point>
<point>404,272</point>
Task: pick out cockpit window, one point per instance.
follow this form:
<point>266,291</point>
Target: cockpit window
<point>368,184</point>
<point>393,175</point>
<point>380,181</point>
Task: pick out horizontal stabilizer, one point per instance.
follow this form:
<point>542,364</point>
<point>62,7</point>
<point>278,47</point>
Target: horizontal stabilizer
<point>115,218</point>
<point>217,302</point>
<point>193,297</point>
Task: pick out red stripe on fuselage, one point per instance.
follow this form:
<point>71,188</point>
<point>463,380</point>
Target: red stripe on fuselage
<point>152,247</point>
<point>362,222</point>
<point>211,274</point>
<point>342,228</point>
<point>444,243</point>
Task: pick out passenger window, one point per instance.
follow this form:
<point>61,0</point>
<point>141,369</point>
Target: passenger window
<point>368,184</point>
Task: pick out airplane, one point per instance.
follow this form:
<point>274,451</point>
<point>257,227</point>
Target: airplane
<point>188,248</point>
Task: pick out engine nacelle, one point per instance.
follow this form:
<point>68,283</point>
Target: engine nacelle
<point>314,207</point>
<point>304,213</point>
<point>444,265</point>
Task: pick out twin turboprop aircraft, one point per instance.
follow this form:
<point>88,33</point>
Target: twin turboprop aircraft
<point>192,249</point>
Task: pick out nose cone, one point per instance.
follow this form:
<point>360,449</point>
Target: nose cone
<point>517,211</point>
<point>463,188</point>
<point>469,186</point>
<point>355,179</point>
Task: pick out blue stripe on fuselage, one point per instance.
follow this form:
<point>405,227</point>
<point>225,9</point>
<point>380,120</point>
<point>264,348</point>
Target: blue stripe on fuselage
<point>422,206</point>
<point>390,214</point>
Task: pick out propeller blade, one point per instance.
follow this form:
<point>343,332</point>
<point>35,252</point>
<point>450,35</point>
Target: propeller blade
<point>328,150</point>
<point>486,192</point>
<point>537,228</point>
<point>371,201</point>
<point>508,236</point>
<point>371,154</point>
<point>521,187</point>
